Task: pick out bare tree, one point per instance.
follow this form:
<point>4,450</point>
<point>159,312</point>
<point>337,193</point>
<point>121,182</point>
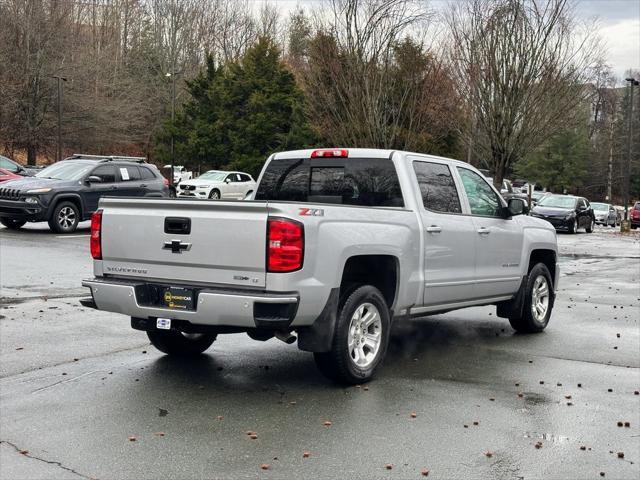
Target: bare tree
<point>521,65</point>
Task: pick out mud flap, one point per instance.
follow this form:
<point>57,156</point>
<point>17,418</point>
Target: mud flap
<point>513,308</point>
<point>318,337</point>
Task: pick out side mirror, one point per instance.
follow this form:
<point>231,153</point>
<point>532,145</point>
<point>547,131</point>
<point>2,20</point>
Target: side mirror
<point>582,208</point>
<point>517,206</point>
<point>94,179</point>
<point>227,180</point>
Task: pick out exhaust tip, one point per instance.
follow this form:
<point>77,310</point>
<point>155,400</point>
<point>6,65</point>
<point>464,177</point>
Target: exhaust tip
<point>286,337</point>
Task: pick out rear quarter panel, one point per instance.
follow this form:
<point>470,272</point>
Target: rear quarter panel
<point>340,233</point>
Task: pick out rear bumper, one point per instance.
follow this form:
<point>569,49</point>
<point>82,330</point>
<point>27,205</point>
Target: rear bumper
<point>214,307</point>
<point>19,210</point>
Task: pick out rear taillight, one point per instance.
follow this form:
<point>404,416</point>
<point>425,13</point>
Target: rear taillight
<point>285,245</point>
<point>166,181</point>
<point>96,233</point>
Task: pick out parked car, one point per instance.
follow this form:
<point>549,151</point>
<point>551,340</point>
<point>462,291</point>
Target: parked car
<point>14,167</point>
<point>634,216</point>
<point>68,191</point>
<point>335,245</point>
<point>216,185</point>
<point>537,195</point>
<point>605,214</point>
<point>565,212</point>
<point>8,175</point>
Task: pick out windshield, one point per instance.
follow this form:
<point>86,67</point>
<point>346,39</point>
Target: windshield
<point>216,176</point>
<point>65,171</point>
<point>600,206</point>
<point>558,202</point>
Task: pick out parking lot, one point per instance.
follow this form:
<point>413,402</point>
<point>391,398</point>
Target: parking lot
<point>460,395</point>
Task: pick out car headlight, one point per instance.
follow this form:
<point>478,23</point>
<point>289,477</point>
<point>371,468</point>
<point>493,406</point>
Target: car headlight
<point>31,200</point>
<point>569,216</point>
<point>203,186</point>
<point>38,190</point>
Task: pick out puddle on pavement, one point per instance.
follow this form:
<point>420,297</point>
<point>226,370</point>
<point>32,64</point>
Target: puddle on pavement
<point>549,437</point>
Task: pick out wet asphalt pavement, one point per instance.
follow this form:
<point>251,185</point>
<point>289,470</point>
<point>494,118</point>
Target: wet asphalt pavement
<point>84,396</point>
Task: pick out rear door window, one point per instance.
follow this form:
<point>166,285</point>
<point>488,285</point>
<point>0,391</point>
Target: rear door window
<point>129,173</point>
<point>351,181</point>
<point>439,193</point>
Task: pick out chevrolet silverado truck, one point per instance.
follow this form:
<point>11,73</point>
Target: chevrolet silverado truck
<point>334,245</point>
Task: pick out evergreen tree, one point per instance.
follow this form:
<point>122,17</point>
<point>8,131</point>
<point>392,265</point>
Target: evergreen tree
<point>239,113</point>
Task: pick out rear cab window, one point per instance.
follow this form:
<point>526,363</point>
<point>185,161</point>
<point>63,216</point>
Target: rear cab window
<point>345,181</point>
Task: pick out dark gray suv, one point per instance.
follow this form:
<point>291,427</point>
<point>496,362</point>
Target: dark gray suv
<point>68,191</point>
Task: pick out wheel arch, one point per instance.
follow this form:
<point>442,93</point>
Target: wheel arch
<point>67,197</point>
<point>380,271</point>
<point>546,256</point>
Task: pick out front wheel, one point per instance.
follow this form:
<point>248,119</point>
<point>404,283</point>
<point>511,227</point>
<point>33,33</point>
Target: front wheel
<point>538,301</point>
<point>173,342</point>
<point>12,224</point>
<point>214,195</point>
<point>64,218</point>
<point>360,338</point>
<point>573,227</point>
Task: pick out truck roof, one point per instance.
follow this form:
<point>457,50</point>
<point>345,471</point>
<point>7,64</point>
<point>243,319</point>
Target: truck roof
<point>361,153</point>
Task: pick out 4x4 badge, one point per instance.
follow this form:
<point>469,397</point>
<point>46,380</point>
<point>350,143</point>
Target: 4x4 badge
<point>311,212</point>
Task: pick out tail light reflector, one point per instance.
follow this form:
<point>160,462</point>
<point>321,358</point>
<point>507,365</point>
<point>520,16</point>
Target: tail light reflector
<point>96,235</point>
<point>285,245</point>
<point>330,153</point>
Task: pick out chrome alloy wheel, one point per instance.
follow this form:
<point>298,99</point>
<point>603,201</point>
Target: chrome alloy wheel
<point>540,298</point>
<point>365,335</point>
<point>66,218</point>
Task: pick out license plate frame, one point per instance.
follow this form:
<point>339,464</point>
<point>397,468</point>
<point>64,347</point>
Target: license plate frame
<point>179,298</point>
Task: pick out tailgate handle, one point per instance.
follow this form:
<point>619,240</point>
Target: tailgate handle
<point>177,225</point>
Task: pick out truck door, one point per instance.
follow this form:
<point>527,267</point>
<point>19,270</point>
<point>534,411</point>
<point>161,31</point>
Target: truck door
<point>449,236</point>
<point>498,239</point>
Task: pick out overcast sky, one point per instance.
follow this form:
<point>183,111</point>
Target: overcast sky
<point>619,24</point>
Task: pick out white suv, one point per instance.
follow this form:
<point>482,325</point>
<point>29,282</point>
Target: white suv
<point>216,185</point>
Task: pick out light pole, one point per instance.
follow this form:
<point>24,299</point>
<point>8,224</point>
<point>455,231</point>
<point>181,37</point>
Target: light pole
<point>627,176</point>
<point>173,117</point>
<point>60,80</point>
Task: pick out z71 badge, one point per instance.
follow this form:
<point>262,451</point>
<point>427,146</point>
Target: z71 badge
<point>311,212</point>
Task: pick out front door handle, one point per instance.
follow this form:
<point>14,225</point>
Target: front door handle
<point>143,185</point>
<point>434,229</point>
<point>484,231</point>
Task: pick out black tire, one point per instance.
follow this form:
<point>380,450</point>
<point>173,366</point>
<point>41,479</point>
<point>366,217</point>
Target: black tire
<point>592,224</point>
<point>214,194</point>
<point>173,342</point>
<point>573,228</point>
<point>12,224</point>
<point>530,323</point>
<point>338,363</point>
<point>64,218</point>
<point>172,192</point>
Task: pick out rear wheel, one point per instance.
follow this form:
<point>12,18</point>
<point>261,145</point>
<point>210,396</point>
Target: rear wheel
<point>64,218</point>
<point>173,342</point>
<point>360,338</point>
<point>12,224</point>
<point>538,301</point>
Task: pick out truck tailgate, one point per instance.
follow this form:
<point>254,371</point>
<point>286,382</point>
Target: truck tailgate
<point>224,243</point>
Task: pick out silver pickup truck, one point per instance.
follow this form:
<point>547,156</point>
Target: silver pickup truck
<point>334,245</point>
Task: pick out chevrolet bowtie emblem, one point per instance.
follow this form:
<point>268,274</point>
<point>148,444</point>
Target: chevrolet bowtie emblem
<point>176,246</point>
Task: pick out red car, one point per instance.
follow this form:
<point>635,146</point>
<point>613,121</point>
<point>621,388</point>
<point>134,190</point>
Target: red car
<point>634,215</point>
<point>7,175</point>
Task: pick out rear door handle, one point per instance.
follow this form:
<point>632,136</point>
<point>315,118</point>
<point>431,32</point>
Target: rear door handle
<point>434,229</point>
<point>484,231</point>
